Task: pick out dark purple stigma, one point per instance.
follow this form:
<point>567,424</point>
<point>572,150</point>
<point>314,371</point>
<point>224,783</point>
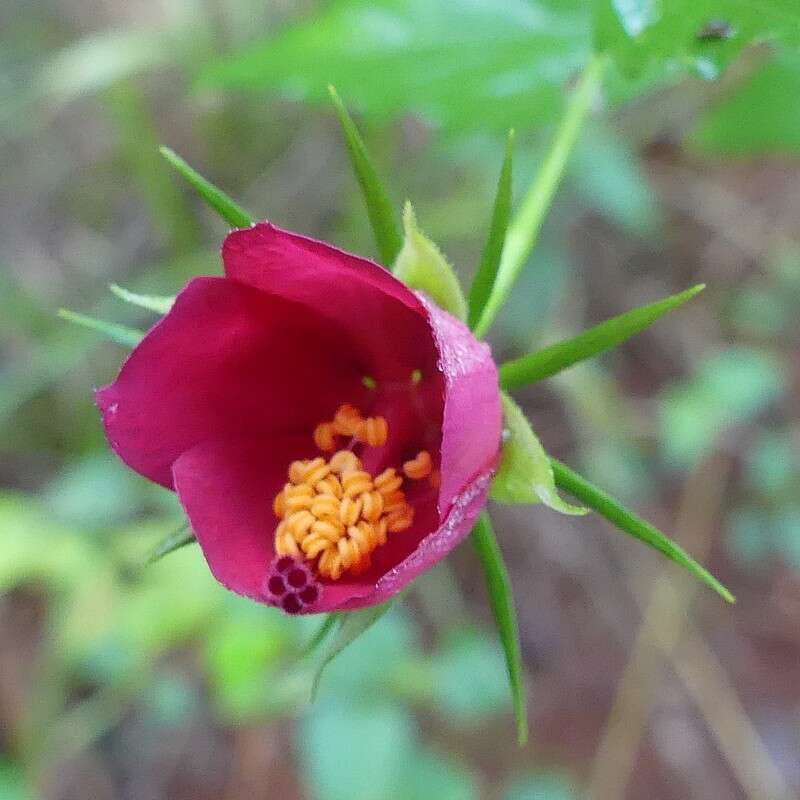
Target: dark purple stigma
<point>290,585</point>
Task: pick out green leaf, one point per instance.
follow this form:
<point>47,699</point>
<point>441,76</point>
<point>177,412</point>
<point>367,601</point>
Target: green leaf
<point>228,209</point>
<point>630,523</point>
<point>762,117</point>
<point>421,265</point>
<point>490,260</point>
<point>636,15</point>
<point>169,544</point>
<point>702,35</point>
<point>461,64</point>
<point>380,209</point>
<point>161,304</point>
<point>525,474</point>
<point>551,360</point>
<point>121,334</point>
<point>527,222</point>
<point>501,600</point>
<point>351,625</point>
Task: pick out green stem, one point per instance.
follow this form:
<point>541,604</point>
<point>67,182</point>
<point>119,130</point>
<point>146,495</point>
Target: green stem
<point>524,228</point>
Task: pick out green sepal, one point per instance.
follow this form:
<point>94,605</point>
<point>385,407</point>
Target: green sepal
<point>551,360</point>
<point>493,249</point>
<point>422,266</point>
<point>524,228</point>
<point>161,304</point>
<point>227,208</point>
<point>121,334</point>
<point>380,210</point>
<point>501,599</point>
<point>525,474</point>
<point>169,544</point>
<point>320,635</point>
<point>633,525</point>
<point>349,626</point>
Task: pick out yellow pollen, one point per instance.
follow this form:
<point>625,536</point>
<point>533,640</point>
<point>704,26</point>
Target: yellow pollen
<point>335,513</point>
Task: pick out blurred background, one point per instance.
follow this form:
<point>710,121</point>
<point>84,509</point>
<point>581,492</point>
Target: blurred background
<point>143,684</point>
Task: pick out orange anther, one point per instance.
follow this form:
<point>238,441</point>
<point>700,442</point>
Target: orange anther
<point>279,504</point>
<point>346,420</point>
<point>297,502</point>
<point>349,510</point>
<point>401,520</point>
<point>297,470</point>
<point>285,545</point>
<point>325,505</point>
<point>372,503</point>
<point>314,544</point>
<point>316,471</point>
<point>419,467</point>
<point>346,553</point>
<point>361,534</point>
<point>356,483</point>
<point>299,523</point>
<point>332,511</point>
<point>330,564</point>
<point>325,437</point>
<point>300,490</point>
<point>330,485</point>
<point>330,529</point>
<point>388,481</point>
<point>373,431</point>
<point>345,461</point>
<point>436,479</point>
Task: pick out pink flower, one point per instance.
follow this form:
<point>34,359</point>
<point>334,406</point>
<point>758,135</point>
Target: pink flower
<point>229,389</point>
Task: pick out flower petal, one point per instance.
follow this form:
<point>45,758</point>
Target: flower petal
<point>473,416</point>
<point>380,312</point>
<point>462,514</point>
<point>227,359</point>
<point>227,487</point>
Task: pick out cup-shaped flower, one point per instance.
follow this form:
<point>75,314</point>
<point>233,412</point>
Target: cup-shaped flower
<point>330,433</point>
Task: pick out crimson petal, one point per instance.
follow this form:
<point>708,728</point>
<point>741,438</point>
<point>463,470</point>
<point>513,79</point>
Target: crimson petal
<point>227,359</point>
<point>379,311</point>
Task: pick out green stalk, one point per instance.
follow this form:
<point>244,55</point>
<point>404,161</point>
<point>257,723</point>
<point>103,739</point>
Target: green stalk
<point>526,224</point>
